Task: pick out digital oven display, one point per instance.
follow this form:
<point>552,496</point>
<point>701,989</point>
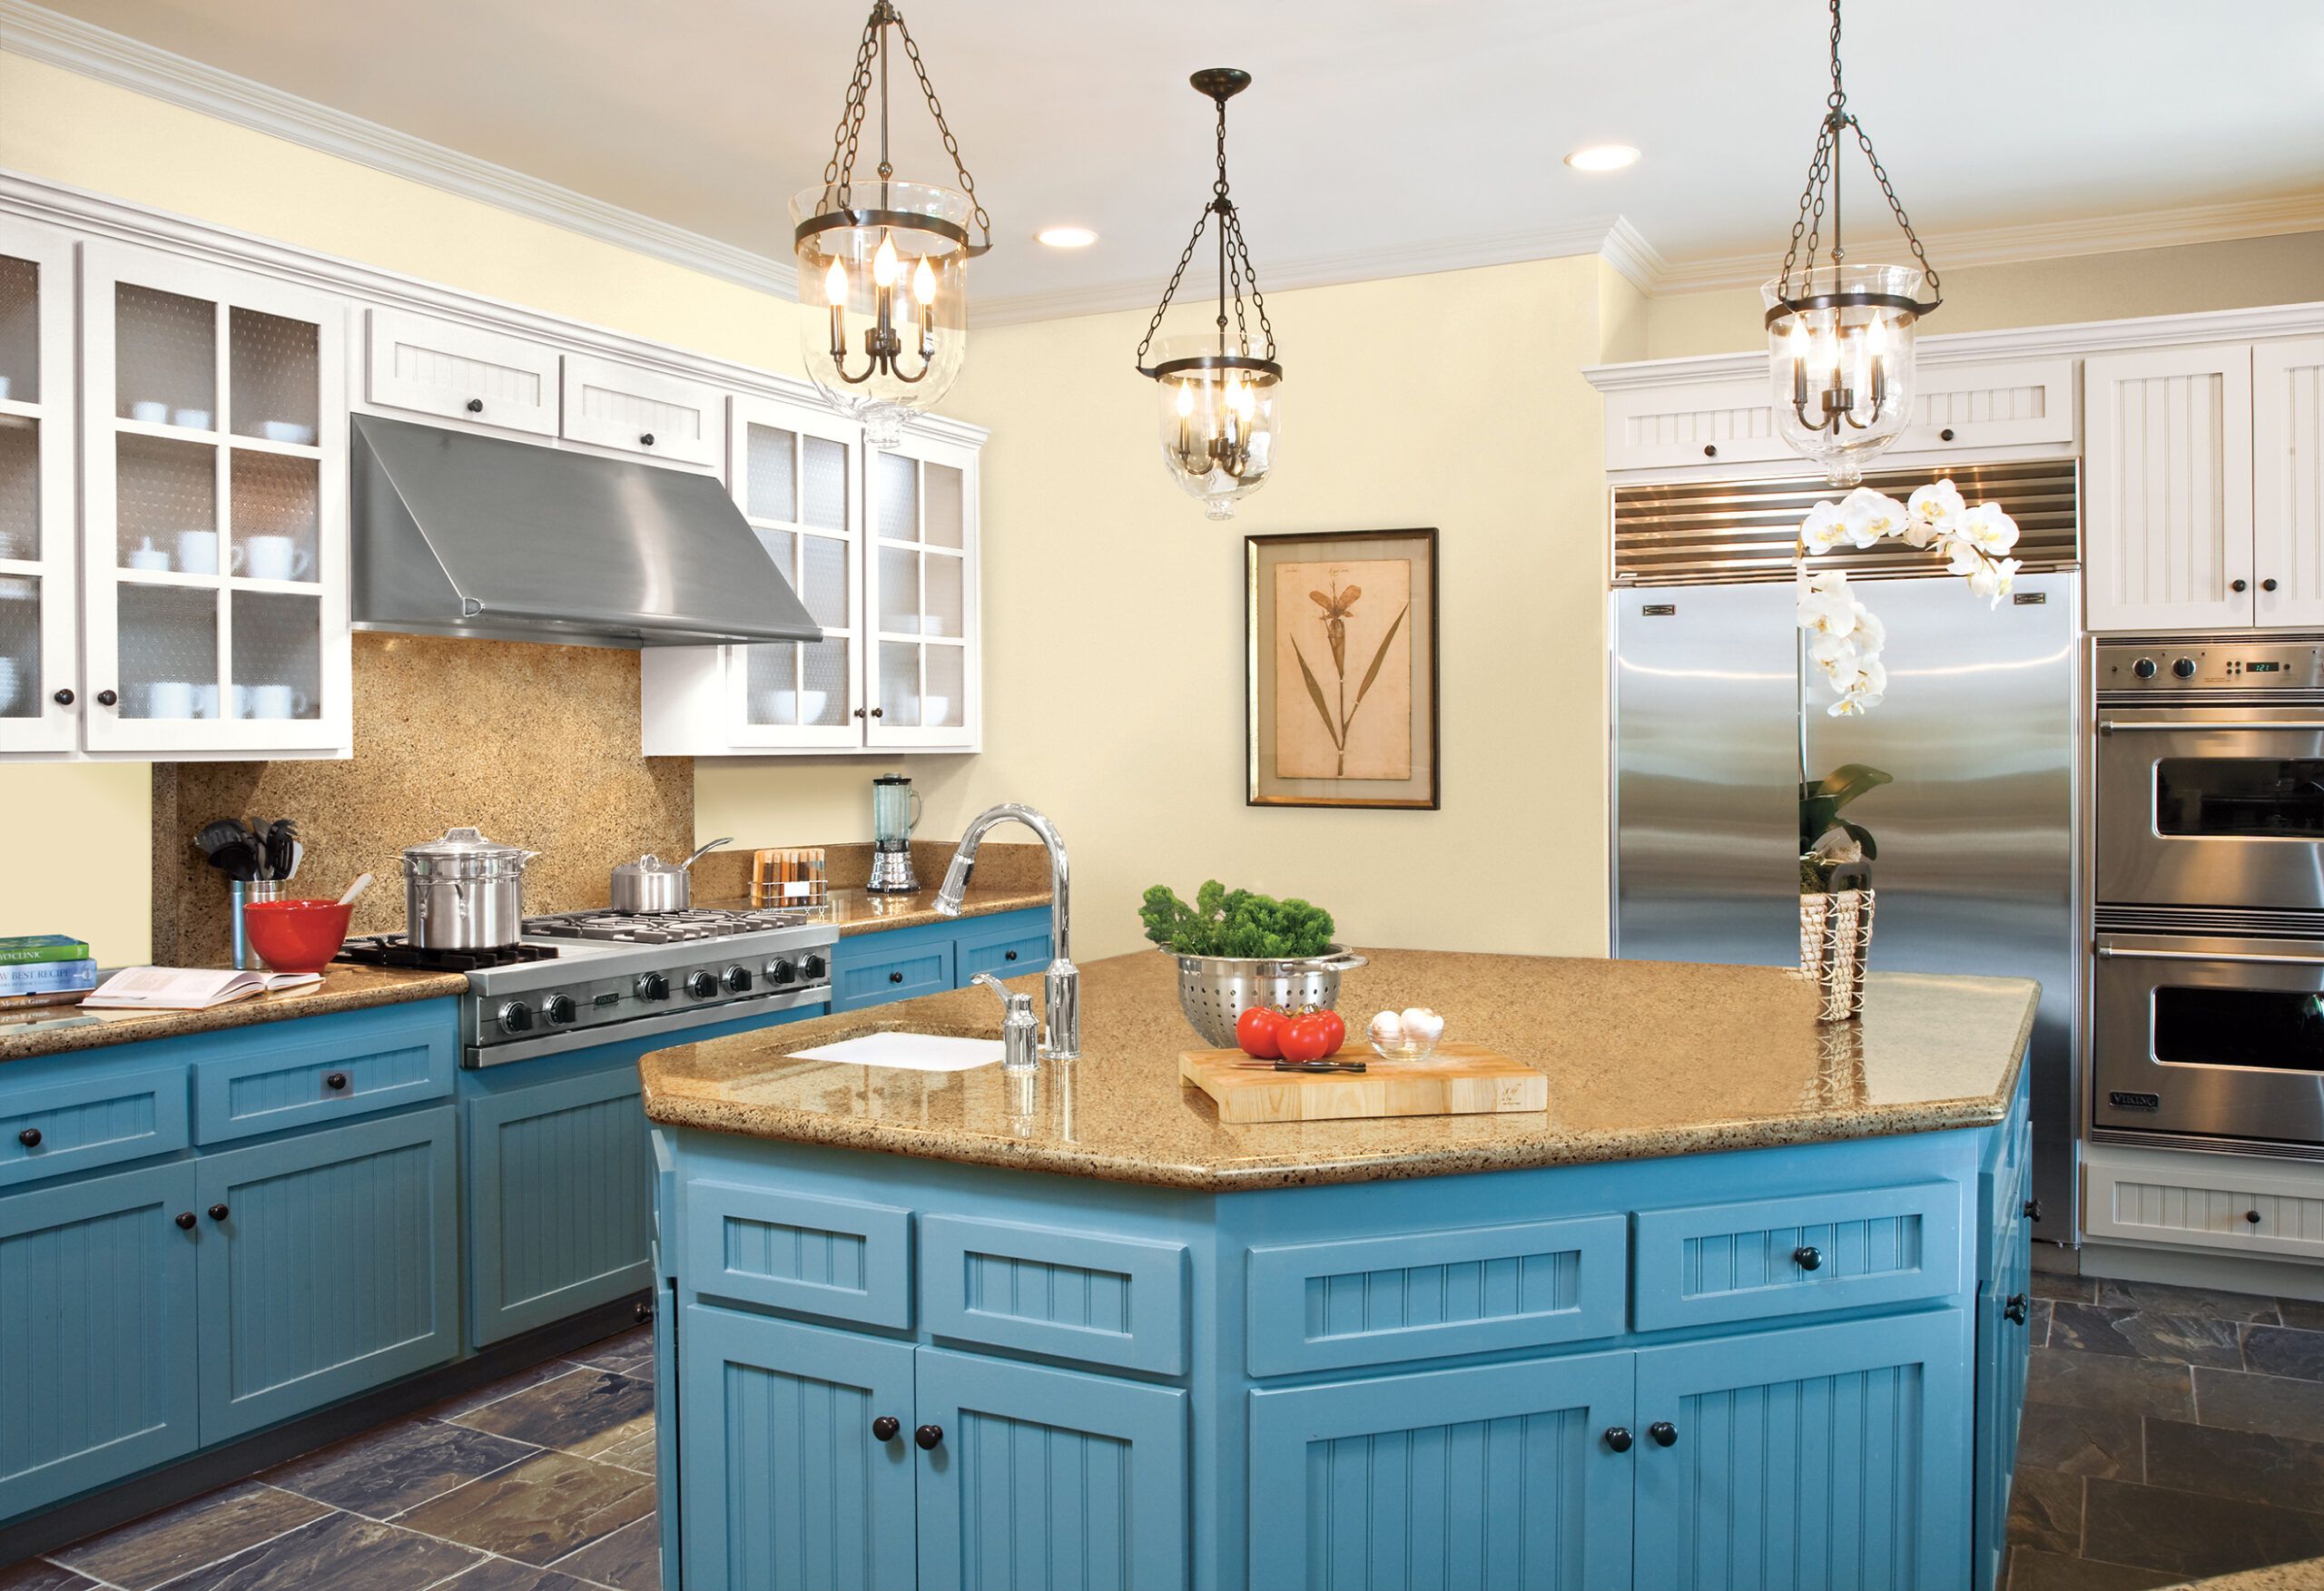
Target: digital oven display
<point>2262,668</point>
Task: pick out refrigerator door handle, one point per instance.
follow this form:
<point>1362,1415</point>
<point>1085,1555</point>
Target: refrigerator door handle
<point>2107,952</point>
<point>2109,726</point>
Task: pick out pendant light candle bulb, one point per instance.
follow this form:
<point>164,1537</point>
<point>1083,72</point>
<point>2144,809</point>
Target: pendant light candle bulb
<point>923,285</point>
<point>1186,400</point>
<point>835,285</point>
<point>884,264</point>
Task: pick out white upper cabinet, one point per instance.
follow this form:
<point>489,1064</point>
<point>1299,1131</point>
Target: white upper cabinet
<point>40,685</point>
<point>2167,529</point>
<point>1957,407</point>
<point>463,373</point>
<point>214,498</point>
<point>1698,423</point>
<point>2287,482</point>
<point>920,567</point>
<point>627,407</point>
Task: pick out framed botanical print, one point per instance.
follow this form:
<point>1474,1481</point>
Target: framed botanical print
<point>1340,669</point>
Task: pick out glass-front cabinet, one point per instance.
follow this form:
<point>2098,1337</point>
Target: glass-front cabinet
<point>214,496</point>
<point>39,687</point>
<point>921,575</point>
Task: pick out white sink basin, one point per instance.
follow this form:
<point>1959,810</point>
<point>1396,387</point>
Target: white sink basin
<point>911,1052</point>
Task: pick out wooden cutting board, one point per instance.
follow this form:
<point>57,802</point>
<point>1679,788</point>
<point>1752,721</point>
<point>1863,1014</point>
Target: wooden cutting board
<point>1459,1079</point>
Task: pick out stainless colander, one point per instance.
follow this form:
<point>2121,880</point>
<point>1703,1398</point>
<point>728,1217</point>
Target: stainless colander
<point>1214,990</point>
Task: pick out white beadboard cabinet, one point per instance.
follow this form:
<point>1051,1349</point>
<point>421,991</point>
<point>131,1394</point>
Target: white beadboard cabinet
<point>630,409</point>
<point>2167,527</point>
<point>2287,482</point>
<point>488,380</point>
<point>1960,407</point>
<point>2218,1202</point>
<point>40,617</point>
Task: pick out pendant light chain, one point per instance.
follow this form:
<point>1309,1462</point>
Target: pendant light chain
<point>839,172</point>
<point>1235,268</point>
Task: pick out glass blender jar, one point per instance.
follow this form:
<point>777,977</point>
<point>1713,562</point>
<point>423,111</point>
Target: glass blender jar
<point>895,813</point>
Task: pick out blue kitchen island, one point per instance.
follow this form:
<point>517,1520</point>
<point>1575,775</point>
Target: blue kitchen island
<point>1744,1307</point>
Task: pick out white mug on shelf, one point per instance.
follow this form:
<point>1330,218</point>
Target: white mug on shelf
<point>198,551</point>
<point>7,684</point>
<point>271,557</point>
<point>192,419</point>
<point>3,387</point>
<point>149,412</point>
<point>146,555</point>
<point>170,699</point>
<point>275,701</point>
<point>287,431</point>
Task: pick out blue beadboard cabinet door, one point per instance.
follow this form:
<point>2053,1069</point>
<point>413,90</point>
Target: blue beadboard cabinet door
<point>786,1487</point>
<point>559,1200</point>
<point>97,1333</point>
<point>1048,1479</point>
<point>1814,1458</point>
<point>334,1269</point>
<point>1496,1476</point>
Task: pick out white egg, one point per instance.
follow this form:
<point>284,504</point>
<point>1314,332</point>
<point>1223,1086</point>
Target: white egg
<point>1388,1030</point>
<point>1422,1026</point>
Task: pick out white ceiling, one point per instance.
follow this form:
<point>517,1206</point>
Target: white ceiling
<point>1395,128</point>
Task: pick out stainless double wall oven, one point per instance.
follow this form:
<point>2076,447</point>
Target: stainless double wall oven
<point>2207,994</point>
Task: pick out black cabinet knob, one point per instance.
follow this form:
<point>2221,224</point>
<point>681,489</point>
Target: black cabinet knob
<point>65,698</point>
<point>879,712</point>
<point>2267,585</point>
<point>1009,955</point>
<point>1664,1433</point>
<point>646,440</point>
<point>885,1427</point>
<point>2016,1309</point>
<point>2237,586</point>
<point>29,1137</point>
<point>1710,451</point>
<point>895,977</point>
<point>1945,434</point>
<point>108,699</point>
<point>1618,1437</point>
<point>335,1081</point>
<point>643,1313</point>
<point>927,1436</point>
<point>2252,1217</point>
<point>476,406</point>
<point>2032,1209</point>
<point>218,1212</point>
<point>1807,1257</point>
<point>184,1219</point>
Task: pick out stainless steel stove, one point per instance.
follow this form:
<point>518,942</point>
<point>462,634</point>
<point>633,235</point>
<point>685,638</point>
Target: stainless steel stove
<point>618,977</point>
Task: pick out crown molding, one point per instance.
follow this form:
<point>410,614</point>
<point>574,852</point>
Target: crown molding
<point>1966,347</point>
<point>38,34</point>
<point>2111,234</point>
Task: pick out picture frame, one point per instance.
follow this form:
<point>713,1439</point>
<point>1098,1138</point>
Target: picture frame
<point>1341,698</point>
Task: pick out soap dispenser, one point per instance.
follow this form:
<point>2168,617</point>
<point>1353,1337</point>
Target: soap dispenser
<point>1021,1030</point>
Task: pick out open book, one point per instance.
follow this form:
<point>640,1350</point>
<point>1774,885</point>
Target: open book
<point>188,989</point>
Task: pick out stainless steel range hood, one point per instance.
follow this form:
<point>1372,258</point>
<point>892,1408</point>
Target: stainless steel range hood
<point>456,535</point>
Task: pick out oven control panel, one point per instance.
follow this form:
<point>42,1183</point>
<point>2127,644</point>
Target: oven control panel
<point>2132,666</point>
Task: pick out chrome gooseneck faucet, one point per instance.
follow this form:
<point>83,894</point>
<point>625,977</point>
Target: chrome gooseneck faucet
<point>1061,986</point>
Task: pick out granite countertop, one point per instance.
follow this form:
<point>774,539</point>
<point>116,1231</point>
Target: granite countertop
<point>62,1028</point>
<point>1009,878</point>
<point>2308,1574</point>
<point>1644,1058</point>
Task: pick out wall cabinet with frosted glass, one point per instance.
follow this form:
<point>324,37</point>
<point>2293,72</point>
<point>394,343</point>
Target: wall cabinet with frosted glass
<point>882,548</point>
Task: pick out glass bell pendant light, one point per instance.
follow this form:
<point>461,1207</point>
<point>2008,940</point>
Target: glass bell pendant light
<point>1217,398</point>
<point>884,264</point>
<point>1840,335</point>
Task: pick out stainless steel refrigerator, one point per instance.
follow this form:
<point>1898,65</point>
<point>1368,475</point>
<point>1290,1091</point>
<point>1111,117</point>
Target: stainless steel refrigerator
<point>1976,868</point>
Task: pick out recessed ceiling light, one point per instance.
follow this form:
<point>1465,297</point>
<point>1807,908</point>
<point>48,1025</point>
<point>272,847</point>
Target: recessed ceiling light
<point>1066,237</point>
<point>1603,157</point>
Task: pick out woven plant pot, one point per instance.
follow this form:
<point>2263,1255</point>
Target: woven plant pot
<point>1835,946</point>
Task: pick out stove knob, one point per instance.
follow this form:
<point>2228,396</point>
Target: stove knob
<point>559,1008</point>
<point>652,986</point>
<point>2144,668</point>
<point>701,985</point>
<point>780,971</point>
<point>737,979</point>
<point>815,967</point>
<point>516,1016</point>
<point>2184,668</point>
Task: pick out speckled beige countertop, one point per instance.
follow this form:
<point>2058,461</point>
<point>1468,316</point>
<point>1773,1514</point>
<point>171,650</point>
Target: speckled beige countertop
<point>1644,1058</point>
<point>2305,1576</point>
<point>60,1028</point>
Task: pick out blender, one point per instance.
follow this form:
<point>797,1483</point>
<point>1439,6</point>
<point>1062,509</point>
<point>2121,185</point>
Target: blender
<point>895,813</point>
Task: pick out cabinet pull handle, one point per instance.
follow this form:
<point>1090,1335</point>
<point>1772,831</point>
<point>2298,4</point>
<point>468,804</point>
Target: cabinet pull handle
<point>2238,585</point>
<point>29,1137</point>
<point>1618,1437</point>
<point>879,712</point>
<point>1009,955</point>
<point>107,698</point>
<point>1710,451</point>
<point>184,1219</point>
<point>64,697</point>
<point>2032,1209</point>
<point>1664,1433</point>
<point>1945,434</point>
<point>336,1081</point>
<point>927,1436</point>
<point>643,1312</point>
<point>2267,585</point>
<point>476,406</point>
<point>1807,1257</point>
<point>646,440</point>
<point>218,1212</point>
<point>885,1427</point>
<point>895,977</point>
<point>859,713</point>
<point>2016,1309</point>
<point>2252,1217</point>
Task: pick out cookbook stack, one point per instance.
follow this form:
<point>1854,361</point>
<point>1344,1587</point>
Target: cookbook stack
<point>45,969</point>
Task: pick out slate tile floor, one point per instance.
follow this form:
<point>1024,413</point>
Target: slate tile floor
<point>2171,1433</point>
<point>540,1482</point>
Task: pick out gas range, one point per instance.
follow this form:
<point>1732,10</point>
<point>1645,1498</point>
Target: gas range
<point>614,976</point>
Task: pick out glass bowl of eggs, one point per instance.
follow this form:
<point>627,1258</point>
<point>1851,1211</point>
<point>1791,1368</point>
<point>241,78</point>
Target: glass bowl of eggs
<point>1411,1034</point>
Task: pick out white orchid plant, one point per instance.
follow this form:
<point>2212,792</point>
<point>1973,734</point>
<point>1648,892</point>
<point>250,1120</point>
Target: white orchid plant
<point>1843,636</point>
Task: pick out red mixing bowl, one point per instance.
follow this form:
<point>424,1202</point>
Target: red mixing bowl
<point>296,935</point>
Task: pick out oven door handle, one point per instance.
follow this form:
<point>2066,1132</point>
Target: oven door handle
<point>2107,952</point>
<point>2108,726</point>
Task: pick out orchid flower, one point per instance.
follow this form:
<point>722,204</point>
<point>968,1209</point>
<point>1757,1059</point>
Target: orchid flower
<point>1866,516</point>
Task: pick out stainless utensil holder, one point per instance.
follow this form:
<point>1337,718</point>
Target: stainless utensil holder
<point>243,892</point>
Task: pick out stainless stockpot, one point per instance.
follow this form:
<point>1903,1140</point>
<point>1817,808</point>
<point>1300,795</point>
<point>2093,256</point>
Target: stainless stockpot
<point>464,892</point>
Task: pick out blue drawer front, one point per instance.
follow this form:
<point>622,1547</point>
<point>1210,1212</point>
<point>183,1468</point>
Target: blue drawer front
<point>1079,1295</point>
<point>1714,1262</point>
<point>843,1257</point>
<point>1431,1294</point>
<point>1010,945</point>
<point>79,1121</point>
<point>280,1077</point>
<point>897,976</point>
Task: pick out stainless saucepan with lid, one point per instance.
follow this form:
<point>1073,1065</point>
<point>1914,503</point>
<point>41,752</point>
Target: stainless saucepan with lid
<point>651,884</point>
<point>464,892</point>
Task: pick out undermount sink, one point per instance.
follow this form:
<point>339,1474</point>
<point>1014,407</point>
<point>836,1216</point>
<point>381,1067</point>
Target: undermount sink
<point>910,1052</point>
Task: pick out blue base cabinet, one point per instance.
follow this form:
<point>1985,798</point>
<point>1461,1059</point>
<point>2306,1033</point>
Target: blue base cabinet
<point>875,968</point>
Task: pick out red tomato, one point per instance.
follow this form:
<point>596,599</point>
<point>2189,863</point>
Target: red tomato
<point>1308,1037</point>
<point>1259,1031</point>
<point>1335,1026</point>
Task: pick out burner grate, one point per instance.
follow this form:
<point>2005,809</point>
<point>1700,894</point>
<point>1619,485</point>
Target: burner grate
<point>662,928</point>
<point>398,950</point>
